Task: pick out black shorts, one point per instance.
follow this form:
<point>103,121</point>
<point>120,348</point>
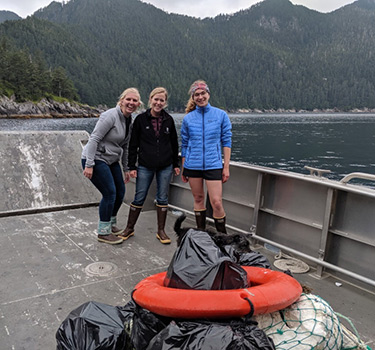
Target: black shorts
<point>213,174</point>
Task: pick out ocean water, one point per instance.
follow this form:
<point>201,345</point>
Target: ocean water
<point>341,143</point>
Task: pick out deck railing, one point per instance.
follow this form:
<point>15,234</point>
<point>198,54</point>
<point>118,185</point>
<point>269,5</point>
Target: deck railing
<point>327,223</point>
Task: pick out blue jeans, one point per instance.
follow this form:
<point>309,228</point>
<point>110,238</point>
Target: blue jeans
<point>109,181</point>
<point>144,180</point>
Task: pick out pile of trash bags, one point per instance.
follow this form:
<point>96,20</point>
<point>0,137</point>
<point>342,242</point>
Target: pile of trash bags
<point>198,263</point>
<point>95,326</point>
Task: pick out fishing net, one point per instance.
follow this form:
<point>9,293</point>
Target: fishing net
<point>309,323</point>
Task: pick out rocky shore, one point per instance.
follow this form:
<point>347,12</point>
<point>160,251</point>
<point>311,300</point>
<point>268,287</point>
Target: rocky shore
<point>47,108</point>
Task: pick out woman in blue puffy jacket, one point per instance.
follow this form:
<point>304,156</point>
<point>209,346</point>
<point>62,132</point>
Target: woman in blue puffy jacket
<point>205,134</point>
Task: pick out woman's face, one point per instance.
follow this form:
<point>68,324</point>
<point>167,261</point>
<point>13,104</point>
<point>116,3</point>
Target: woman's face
<point>157,103</point>
<point>201,97</point>
<point>129,103</point>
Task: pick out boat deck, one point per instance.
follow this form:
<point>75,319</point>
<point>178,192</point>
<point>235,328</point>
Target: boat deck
<point>46,273</point>
<point>51,261</point>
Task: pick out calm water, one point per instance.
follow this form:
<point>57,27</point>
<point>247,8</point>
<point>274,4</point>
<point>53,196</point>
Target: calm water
<point>342,143</point>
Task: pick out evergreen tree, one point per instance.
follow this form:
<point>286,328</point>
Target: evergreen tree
<point>61,85</point>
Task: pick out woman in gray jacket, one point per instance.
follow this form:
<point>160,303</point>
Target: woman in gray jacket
<point>107,145</point>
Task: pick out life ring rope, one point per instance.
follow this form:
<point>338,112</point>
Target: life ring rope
<point>251,313</point>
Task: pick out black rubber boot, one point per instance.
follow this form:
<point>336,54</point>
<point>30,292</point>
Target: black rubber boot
<point>220,224</point>
<point>200,219</point>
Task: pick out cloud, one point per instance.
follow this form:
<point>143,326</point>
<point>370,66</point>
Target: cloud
<point>323,5</point>
<point>24,8</point>
<point>202,8</point>
<point>199,8</point>
<point>212,8</point>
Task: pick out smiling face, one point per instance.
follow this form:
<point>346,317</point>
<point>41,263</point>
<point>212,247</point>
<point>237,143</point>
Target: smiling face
<point>201,97</point>
<point>157,103</point>
<point>129,103</point>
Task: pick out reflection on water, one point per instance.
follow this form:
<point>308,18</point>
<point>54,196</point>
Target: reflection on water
<point>48,124</point>
<point>342,143</point>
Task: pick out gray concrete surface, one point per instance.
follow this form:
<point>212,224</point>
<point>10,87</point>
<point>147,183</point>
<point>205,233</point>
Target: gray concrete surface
<point>42,170</point>
<point>43,277</point>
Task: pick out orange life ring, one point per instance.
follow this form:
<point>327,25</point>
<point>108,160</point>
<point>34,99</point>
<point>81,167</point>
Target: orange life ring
<point>270,291</point>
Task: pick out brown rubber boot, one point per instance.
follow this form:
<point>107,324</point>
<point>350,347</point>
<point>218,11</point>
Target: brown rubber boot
<point>105,235</point>
<point>200,219</point>
<point>115,229</point>
<point>220,224</point>
<point>132,220</point>
<point>109,239</point>
<point>162,217</point>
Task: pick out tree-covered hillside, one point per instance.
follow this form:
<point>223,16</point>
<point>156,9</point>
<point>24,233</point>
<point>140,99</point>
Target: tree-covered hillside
<point>27,77</point>
<point>272,55</point>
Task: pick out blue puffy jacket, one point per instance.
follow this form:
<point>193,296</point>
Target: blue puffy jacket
<point>204,132</point>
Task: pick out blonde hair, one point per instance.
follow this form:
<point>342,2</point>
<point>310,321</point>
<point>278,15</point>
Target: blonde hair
<point>191,105</point>
<point>158,90</point>
<point>131,90</point>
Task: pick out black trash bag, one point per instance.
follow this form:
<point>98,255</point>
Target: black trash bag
<point>146,325</point>
<point>247,258</point>
<point>202,335</point>
<point>250,337</point>
<point>94,326</point>
<point>129,310</point>
<point>199,263</point>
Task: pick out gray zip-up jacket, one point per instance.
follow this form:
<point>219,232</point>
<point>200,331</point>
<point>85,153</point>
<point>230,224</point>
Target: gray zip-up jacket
<point>107,142</point>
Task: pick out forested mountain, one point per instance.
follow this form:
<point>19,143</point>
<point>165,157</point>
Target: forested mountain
<point>272,55</point>
<point>8,16</point>
<point>27,77</point>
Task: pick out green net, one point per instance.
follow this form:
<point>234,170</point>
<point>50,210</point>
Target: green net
<point>309,323</point>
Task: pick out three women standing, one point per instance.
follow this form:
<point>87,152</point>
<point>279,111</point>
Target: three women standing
<point>153,151</point>
<point>106,147</point>
<point>205,132</point>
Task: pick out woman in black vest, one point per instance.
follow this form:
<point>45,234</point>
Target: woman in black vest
<point>153,150</point>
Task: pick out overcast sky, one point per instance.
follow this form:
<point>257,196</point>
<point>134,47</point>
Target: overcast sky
<point>197,8</point>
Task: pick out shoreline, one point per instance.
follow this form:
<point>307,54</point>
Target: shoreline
<point>49,116</point>
<point>254,112</point>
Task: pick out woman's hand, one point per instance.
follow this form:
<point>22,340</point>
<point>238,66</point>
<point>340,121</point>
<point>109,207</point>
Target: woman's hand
<point>184,178</point>
<point>225,175</point>
<point>87,172</point>
<point>133,174</point>
<point>126,177</point>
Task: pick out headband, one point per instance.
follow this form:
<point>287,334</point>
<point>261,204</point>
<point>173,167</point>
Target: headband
<point>197,86</point>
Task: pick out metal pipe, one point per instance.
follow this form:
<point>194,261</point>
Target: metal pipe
<point>367,191</point>
<point>310,258</point>
<point>362,176</point>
